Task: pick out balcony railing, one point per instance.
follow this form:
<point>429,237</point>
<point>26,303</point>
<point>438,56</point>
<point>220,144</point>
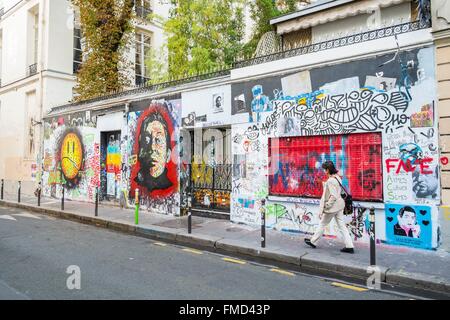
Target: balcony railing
<point>336,43</point>
<point>143,12</point>
<point>32,69</point>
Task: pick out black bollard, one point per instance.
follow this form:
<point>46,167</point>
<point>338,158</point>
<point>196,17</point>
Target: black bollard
<point>18,192</point>
<point>3,185</point>
<point>372,237</point>
<point>62,199</point>
<point>263,223</point>
<point>39,195</point>
<point>189,214</point>
<point>96,201</point>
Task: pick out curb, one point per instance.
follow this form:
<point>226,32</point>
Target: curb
<point>308,262</point>
<point>417,280</point>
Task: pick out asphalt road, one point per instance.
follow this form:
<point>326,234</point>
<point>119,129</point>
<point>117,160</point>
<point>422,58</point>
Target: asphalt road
<point>36,251</point>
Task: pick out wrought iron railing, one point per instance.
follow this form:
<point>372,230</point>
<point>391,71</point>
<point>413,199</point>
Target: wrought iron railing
<point>336,43</point>
<point>32,69</point>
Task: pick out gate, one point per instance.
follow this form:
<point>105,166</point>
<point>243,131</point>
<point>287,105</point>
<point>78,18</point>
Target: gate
<point>211,186</point>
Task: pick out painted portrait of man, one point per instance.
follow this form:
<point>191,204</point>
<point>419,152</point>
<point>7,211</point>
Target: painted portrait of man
<point>426,186</point>
<point>407,225</point>
<point>154,149</point>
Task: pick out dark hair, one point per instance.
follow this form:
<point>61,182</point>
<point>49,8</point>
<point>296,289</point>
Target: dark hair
<point>329,165</point>
<point>155,116</point>
<point>407,208</point>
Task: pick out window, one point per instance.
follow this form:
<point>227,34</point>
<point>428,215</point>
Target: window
<point>36,38</point>
<point>296,165</point>
<point>77,42</point>
<point>77,51</point>
<point>143,8</point>
<point>143,46</point>
<point>32,40</point>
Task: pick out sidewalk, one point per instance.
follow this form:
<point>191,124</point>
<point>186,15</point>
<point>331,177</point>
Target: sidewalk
<point>411,269</point>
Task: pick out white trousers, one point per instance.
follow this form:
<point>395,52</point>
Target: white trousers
<point>326,219</point>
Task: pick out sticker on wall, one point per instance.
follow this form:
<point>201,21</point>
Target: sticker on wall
<point>239,104</point>
<point>380,83</point>
<point>189,121</point>
<point>409,225</point>
<point>423,118</point>
<point>218,101</point>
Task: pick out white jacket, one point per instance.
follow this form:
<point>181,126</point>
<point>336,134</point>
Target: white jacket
<point>331,201</point>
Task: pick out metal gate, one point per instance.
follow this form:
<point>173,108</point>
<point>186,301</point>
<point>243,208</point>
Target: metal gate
<point>211,186</point>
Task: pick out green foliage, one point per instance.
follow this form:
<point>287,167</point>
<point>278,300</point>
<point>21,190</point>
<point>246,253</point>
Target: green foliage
<point>105,25</point>
<point>202,35</point>
<point>262,11</point>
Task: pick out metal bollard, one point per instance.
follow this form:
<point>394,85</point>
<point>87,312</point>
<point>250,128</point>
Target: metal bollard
<point>136,211</point>
<point>263,223</point>
<point>372,237</point>
<point>19,189</point>
<point>3,186</point>
<point>62,198</point>
<point>189,214</point>
<point>96,201</point>
<point>39,194</point>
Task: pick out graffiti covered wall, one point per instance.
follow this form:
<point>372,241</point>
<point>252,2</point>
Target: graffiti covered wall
<point>376,121</point>
<point>71,157</point>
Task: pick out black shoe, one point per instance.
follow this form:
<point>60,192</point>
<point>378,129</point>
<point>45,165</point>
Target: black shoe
<point>309,243</point>
<point>348,250</point>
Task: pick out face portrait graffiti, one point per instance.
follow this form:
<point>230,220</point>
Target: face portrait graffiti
<point>407,225</point>
<point>425,186</point>
<point>154,171</point>
<point>71,154</point>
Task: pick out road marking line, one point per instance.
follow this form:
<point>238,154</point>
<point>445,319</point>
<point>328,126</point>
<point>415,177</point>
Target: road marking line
<point>160,244</point>
<point>287,273</point>
<point>27,215</point>
<point>193,251</point>
<point>8,217</point>
<point>234,261</point>
<point>346,286</point>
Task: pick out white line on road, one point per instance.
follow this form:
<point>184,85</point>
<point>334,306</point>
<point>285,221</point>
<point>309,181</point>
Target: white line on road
<point>7,217</point>
<point>27,215</point>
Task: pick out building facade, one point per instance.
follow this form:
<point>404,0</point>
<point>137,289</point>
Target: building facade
<point>367,99</point>
<point>40,53</point>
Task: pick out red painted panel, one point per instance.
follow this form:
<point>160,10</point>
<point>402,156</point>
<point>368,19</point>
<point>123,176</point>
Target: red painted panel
<point>297,164</point>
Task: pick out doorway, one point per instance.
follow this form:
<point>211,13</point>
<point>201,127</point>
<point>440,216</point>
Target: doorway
<point>110,165</point>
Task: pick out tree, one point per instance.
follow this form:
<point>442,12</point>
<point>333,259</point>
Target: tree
<point>262,11</point>
<point>201,35</point>
<point>105,25</point>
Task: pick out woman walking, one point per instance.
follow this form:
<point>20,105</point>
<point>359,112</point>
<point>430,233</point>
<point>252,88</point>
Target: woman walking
<point>332,206</point>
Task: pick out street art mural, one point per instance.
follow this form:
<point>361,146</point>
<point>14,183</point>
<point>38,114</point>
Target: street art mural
<point>409,225</point>
<point>71,157</point>
<point>154,134</point>
<point>374,119</point>
<point>299,161</point>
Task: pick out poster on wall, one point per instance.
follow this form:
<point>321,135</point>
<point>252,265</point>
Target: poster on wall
<point>409,225</point>
<point>218,100</point>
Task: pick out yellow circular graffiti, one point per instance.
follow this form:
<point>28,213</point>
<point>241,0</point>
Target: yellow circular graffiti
<point>71,156</point>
